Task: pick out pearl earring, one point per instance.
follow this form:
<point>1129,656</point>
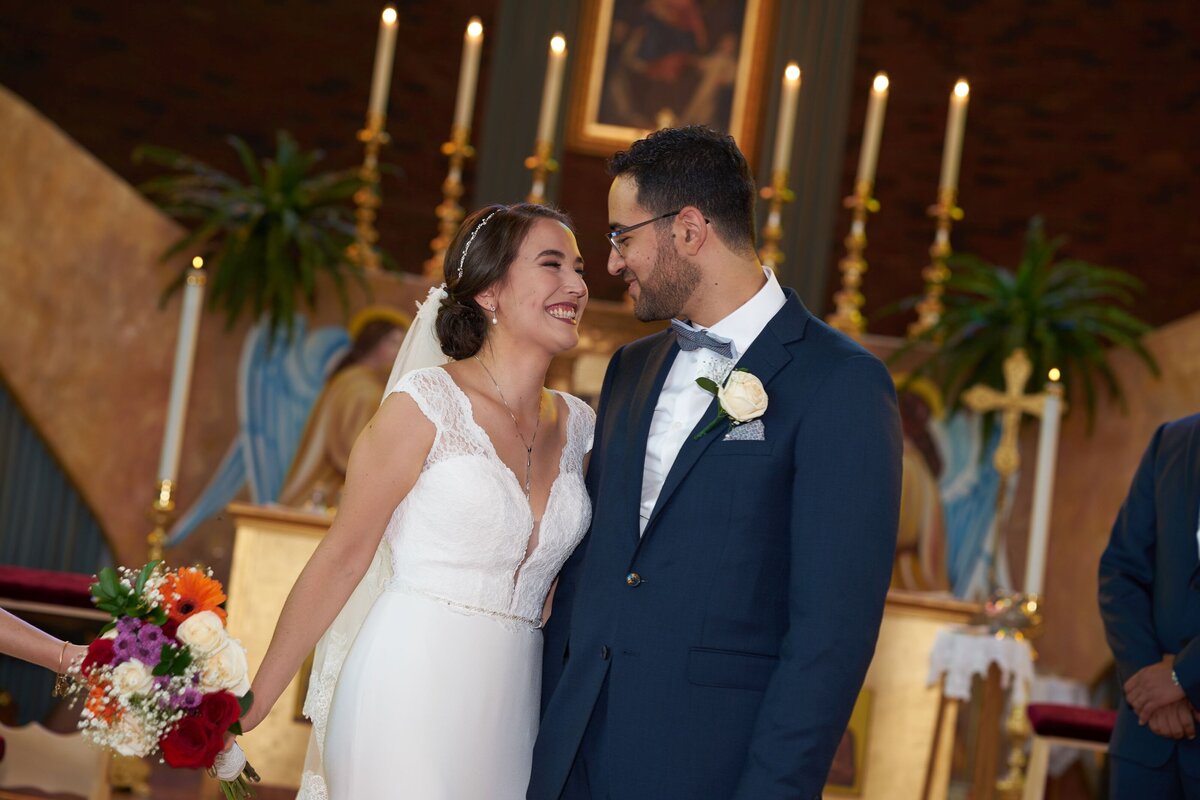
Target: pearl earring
<point>494,320</point>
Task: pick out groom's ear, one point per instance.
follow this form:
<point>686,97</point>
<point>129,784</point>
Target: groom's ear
<point>692,230</point>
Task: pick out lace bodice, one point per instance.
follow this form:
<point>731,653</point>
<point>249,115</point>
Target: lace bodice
<point>461,533</point>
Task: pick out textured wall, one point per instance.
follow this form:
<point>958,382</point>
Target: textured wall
<point>84,346</point>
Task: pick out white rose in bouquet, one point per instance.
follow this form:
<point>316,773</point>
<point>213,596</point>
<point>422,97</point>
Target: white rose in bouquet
<point>129,736</point>
<point>203,632</point>
<point>743,396</point>
<point>226,669</point>
<point>132,677</point>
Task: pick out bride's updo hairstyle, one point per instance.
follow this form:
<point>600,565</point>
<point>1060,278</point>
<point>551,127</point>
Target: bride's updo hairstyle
<point>479,257</point>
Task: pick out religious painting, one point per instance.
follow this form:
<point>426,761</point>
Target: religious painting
<point>948,497</point>
<point>651,64</point>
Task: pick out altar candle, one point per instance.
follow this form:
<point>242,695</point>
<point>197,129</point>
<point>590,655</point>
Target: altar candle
<point>385,50</point>
<point>181,375</point>
<point>872,131</point>
<point>786,125</point>
<point>956,123</point>
<point>552,91</point>
<point>468,74</point>
<point>1043,490</point>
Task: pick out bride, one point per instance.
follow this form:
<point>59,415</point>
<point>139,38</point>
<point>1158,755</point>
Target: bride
<point>464,497</point>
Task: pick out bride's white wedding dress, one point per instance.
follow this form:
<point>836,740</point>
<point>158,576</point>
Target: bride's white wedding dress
<point>438,696</point>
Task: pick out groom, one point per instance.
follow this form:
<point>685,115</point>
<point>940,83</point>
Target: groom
<point>712,632</point>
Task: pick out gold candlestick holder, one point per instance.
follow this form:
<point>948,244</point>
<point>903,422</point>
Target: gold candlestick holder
<point>848,317</point>
<point>449,212</point>
<point>776,195</point>
<point>541,163</point>
<point>1015,615</point>
<point>364,251</point>
<point>929,310</point>
<point>160,514</point>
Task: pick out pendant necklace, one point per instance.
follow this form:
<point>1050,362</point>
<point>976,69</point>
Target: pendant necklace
<point>528,447</point>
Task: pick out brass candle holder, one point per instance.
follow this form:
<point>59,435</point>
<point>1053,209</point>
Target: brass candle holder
<point>541,163</point>
<point>776,195</point>
<point>848,317</point>
<point>929,310</point>
<point>1015,615</point>
<point>449,212</point>
<point>160,514</point>
<point>364,251</point>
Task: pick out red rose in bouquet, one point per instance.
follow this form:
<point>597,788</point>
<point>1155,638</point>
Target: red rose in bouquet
<point>219,709</point>
<point>192,744</point>
<point>99,653</point>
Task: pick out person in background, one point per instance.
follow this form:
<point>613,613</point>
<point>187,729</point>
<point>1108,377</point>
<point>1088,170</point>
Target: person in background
<point>1150,602</point>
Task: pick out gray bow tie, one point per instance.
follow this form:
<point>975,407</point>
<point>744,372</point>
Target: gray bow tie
<point>690,338</point>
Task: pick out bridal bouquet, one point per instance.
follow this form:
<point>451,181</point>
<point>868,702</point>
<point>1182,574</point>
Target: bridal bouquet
<point>164,675</point>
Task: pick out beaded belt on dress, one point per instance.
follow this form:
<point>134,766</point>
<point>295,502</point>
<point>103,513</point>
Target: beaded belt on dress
<point>401,586</point>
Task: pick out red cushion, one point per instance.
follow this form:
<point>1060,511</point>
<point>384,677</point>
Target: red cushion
<point>44,586</point>
<point>1072,722</point>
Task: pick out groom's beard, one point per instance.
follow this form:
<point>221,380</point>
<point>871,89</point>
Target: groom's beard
<point>668,288</point>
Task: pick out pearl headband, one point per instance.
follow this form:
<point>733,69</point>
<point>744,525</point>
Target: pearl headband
<point>462,259</point>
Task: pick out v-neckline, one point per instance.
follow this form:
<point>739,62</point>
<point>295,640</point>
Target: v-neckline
<point>535,520</point>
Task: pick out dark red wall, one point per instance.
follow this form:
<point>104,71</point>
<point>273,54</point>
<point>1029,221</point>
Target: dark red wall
<point>1084,111</point>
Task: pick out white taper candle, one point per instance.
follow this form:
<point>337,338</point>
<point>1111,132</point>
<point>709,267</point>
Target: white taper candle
<point>956,123</point>
<point>385,50</point>
<point>868,157</point>
<point>181,374</point>
<point>552,90</point>
<point>468,74</point>
<point>1043,491</point>
<point>786,124</point>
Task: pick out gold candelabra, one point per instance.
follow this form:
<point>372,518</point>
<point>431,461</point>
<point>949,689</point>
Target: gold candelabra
<point>541,164</point>
<point>364,252</point>
<point>929,310</point>
<point>449,211</point>
<point>160,515</point>
<point>776,195</point>
<point>848,317</point>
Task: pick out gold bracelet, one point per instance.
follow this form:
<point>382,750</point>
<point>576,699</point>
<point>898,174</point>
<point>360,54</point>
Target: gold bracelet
<point>61,684</point>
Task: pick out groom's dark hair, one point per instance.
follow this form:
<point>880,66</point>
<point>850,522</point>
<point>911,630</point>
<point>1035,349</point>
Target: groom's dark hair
<point>693,166</point>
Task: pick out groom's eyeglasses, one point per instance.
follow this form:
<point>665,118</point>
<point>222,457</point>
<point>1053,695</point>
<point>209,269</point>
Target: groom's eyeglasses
<point>614,235</point>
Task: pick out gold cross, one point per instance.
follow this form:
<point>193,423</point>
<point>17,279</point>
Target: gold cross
<point>1012,404</point>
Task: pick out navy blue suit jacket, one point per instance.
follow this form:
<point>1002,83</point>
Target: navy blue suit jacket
<point>1150,585</point>
<point>733,666</point>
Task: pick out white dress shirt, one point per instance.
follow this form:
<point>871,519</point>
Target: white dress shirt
<point>682,402</point>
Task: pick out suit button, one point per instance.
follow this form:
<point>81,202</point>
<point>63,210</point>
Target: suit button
<point>633,579</point>
<point>604,652</point>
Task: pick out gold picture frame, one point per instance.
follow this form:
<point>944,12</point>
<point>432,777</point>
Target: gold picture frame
<point>648,65</point>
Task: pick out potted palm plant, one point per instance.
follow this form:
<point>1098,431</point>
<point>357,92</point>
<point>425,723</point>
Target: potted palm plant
<point>267,239</point>
<point>1067,314</point>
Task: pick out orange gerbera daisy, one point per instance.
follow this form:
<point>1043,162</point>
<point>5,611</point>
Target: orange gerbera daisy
<point>189,591</point>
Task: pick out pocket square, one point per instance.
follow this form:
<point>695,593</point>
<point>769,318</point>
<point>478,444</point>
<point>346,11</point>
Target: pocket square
<point>752,431</point>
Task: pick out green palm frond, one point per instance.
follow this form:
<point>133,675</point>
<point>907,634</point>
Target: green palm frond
<point>1067,314</point>
<point>266,240</point>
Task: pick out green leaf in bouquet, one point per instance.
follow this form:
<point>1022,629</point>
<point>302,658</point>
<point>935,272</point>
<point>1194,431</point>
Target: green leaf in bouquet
<point>157,617</point>
<point>236,728</point>
<point>245,701</point>
<point>107,627</point>
<point>109,586</point>
<point>173,661</point>
<point>707,385</point>
<point>145,574</point>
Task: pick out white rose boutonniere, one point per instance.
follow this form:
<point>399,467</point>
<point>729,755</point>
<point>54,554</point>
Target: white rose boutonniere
<point>740,399</point>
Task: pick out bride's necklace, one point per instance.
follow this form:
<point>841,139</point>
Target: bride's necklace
<point>527,445</point>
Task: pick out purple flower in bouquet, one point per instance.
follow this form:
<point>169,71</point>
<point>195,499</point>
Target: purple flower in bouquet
<point>150,641</point>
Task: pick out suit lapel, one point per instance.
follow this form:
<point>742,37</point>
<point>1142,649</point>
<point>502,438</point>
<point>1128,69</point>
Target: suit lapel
<point>641,413</point>
<point>764,359</point>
